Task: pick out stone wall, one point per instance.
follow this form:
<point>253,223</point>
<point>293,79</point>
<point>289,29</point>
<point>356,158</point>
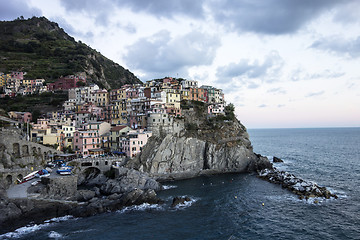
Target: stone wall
<point>64,188</point>
<point>19,157</point>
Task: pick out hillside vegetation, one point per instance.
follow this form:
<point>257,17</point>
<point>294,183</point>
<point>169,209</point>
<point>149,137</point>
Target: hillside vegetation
<point>43,50</point>
<point>36,104</point>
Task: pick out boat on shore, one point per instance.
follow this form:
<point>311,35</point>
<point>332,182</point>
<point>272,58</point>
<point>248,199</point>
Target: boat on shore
<point>64,170</point>
<point>28,177</point>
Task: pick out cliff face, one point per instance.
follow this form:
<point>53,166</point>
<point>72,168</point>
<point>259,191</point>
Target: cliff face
<point>205,147</point>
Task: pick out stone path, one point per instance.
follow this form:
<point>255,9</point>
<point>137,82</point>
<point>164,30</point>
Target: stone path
<point>19,190</point>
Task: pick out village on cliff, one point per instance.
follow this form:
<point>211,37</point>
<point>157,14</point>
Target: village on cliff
<point>94,121</point>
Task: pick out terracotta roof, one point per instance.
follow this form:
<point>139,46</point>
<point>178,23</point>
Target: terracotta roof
<point>118,128</point>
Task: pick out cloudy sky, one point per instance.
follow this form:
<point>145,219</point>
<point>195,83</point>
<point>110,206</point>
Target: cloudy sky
<point>283,63</point>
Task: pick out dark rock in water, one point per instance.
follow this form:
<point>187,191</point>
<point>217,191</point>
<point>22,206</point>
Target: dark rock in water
<point>128,180</point>
<point>179,200</point>
<point>138,196</point>
<point>85,195</point>
<point>304,189</point>
<point>277,160</point>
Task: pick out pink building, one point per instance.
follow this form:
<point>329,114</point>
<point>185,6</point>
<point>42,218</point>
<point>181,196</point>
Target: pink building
<point>135,142</point>
<point>132,93</point>
<point>87,142</point>
<point>17,75</point>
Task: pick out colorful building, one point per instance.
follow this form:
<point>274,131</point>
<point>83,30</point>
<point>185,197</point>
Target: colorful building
<point>134,143</point>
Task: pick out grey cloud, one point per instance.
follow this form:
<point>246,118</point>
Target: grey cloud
<point>262,106</point>
<point>326,74</point>
<point>315,94</point>
<point>270,16</point>
<point>166,8</point>
<point>99,10</point>
<point>277,91</point>
<point>163,55</point>
<point>300,75</point>
<point>10,10</point>
<point>339,46</point>
<point>348,13</point>
<point>158,8</point>
<point>129,28</point>
<point>261,16</point>
<point>268,70</point>
<point>280,105</point>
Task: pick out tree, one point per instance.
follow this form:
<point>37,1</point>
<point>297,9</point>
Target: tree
<point>36,115</point>
<point>229,111</point>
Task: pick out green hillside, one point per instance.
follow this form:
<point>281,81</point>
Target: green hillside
<point>43,50</point>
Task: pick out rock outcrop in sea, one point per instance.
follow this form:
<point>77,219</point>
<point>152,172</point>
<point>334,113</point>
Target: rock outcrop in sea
<point>206,145</point>
<point>303,189</point>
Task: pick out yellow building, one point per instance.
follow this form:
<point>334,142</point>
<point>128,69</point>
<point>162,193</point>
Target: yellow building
<point>68,132</point>
<point>119,112</point>
<point>173,97</point>
<point>54,137</point>
<point>102,98</point>
<point>185,94</point>
<point>26,82</point>
<point>2,79</point>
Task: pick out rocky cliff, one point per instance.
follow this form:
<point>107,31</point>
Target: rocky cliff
<point>205,146</point>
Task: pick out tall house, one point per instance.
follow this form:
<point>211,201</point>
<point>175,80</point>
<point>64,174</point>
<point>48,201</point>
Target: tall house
<point>117,133</point>
<point>214,95</point>
<point>198,94</point>
<point>119,112</point>
<point>102,98</point>
<point>87,142</point>
<point>134,143</point>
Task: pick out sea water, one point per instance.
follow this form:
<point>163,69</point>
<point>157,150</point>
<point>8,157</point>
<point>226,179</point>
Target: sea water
<point>242,206</point>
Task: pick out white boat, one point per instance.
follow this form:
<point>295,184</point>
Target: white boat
<point>29,177</point>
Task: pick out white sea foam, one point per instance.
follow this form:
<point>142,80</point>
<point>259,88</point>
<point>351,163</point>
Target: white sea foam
<point>339,193</point>
<point>60,219</point>
<point>55,235</point>
<point>32,228</point>
<point>186,204</point>
<point>23,231</point>
<point>166,187</point>
<point>142,207</point>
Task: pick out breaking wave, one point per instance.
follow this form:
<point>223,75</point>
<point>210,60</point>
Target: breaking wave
<point>167,187</point>
<point>142,207</point>
<point>20,232</point>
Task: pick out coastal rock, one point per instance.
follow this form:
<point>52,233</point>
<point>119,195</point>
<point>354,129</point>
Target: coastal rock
<point>91,178</point>
<point>128,180</point>
<point>194,153</point>
<point>8,210</point>
<point>138,196</point>
<point>84,195</point>
<point>304,189</point>
<point>179,200</point>
<point>277,160</point>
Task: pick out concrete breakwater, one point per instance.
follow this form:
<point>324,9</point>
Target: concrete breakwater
<point>304,189</point>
